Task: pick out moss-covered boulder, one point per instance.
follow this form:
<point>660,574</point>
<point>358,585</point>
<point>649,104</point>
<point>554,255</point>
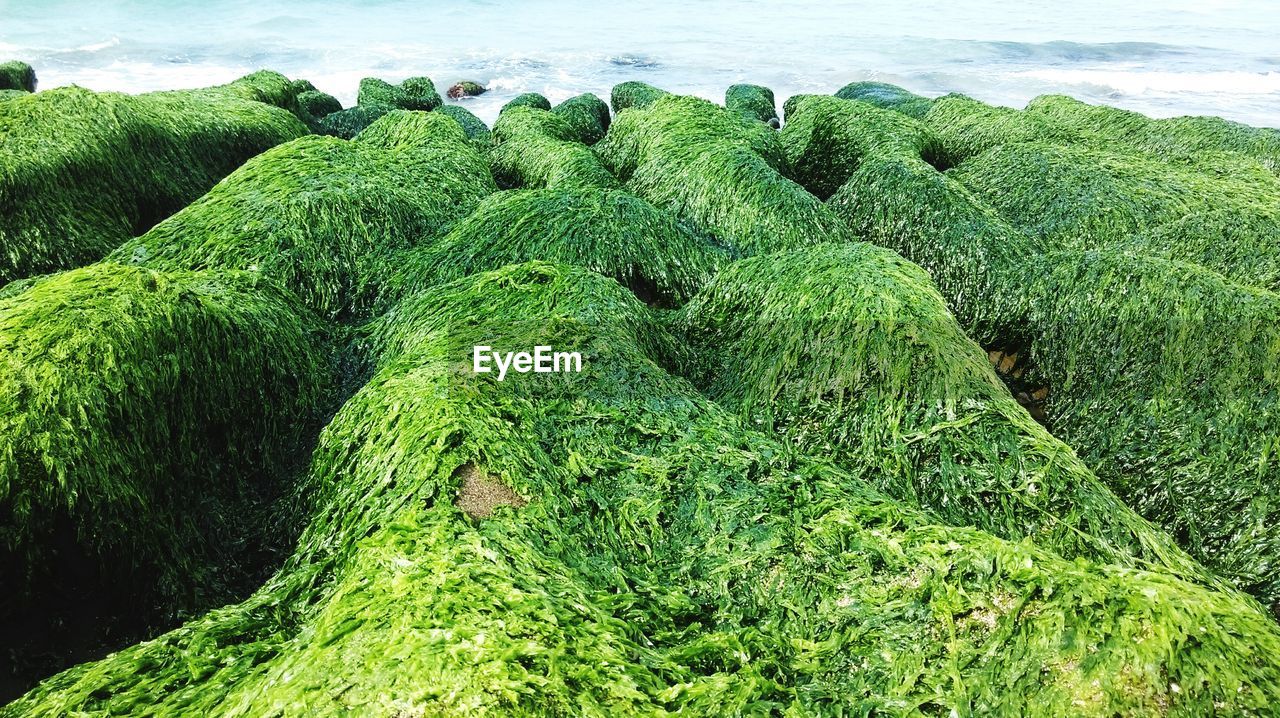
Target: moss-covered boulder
<point>610,542</point>
<point>318,104</point>
<point>17,75</point>
<point>527,99</point>
<point>541,149</point>
<point>466,88</point>
<point>321,216</point>
<point>587,114</point>
<point>887,96</point>
<point>608,231</point>
<point>415,93</point>
<point>146,415</point>
<point>475,128</point>
<point>720,172</point>
<point>753,101</point>
<point>626,95</point>
<point>84,171</point>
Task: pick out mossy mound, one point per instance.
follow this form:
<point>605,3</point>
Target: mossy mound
<point>665,560</point>
<point>719,171</point>
<point>967,128</point>
<point>475,128</point>
<point>608,231</point>
<point>17,75</point>
<point>753,101</point>
<point>321,216</point>
<point>466,88</point>
<point>891,194</point>
<point>626,95</point>
<point>415,93</point>
<point>1075,197</point>
<point>540,149</point>
<point>851,352</point>
<point>1180,138</point>
<point>1164,378</point>
<point>350,122</point>
<point>587,115</point>
<point>886,96</point>
<point>143,411</point>
<point>318,104</point>
<point>527,99</point>
<point>84,171</point>
<point>11,94</point>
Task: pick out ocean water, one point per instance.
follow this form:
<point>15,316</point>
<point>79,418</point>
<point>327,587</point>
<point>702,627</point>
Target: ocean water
<point>1217,57</point>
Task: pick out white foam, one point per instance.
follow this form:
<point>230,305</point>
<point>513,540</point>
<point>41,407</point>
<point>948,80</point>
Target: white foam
<point>1145,82</point>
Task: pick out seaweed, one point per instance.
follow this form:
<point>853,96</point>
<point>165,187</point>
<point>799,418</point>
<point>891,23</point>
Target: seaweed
<point>475,128</point>
<point>348,123</point>
<point>662,558</point>
<point>17,75</point>
<point>318,104</point>
<point>634,94</point>
<point>540,149</point>
<point>83,171</point>
<point>587,115</point>
<point>527,99</point>
<point>466,88</point>
<point>753,101</point>
<point>967,128</point>
<point>321,216</point>
<point>720,172</point>
<point>851,352</point>
<point>143,412</point>
<point>608,231</point>
<point>887,96</point>
<point>415,93</point>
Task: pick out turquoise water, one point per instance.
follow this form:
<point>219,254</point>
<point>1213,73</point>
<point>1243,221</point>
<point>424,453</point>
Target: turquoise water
<point>1182,57</point>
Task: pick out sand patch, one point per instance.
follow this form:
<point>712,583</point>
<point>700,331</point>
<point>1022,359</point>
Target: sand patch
<point>481,493</point>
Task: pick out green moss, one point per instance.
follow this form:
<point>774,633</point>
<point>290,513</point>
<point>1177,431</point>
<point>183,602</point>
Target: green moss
<point>466,88</point>
<point>475,128</point>
<point>851,352</point>
<point>886,96</point>
<point>587,115</point>
<point>891,195</point>
<point>1086,198</point>
<point>11,94</point>
<point>1188,138</point>
<point>608,231</point>
<point>753,101</point>
<point>321,215</point>
<point>318,104</point>
<point>528,99</point>
<point>668,560</point>
<point>537,149</point>
<point>142,412</point>
<point>415,93</point>
<point>352,121</point>
<point>82,172</point>
<point>718,171</point>
<point>626,95</point>
<point>967,128</point>
<point>17,75</point>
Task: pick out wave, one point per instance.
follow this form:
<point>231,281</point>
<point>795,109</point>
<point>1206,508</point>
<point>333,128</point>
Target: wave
<point>1143,82</point>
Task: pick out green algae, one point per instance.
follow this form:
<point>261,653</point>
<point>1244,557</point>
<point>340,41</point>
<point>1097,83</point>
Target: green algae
<point>475,128</point>
<point>886,96</point>
<point>17,75</point>
<point>587,114</point>
<point>415,93</point>
<point>541,149</point>
<point>718,171</point>
<point>527,99</point>
<point>608,231</point>
<point>669,560</point>
<point>318,104</point>
<point>320,215</point>
<point>753,101</point>
<point>141,411</point>
<point>626,95</point>
<point>82,172</point>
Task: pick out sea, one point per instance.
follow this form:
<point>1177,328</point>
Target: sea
<point>1218,57</point>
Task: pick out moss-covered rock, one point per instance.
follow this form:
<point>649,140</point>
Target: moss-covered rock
<point>719,171</point>
<point>587,114</point>
<point>321,216</point>
<point>11,94</point>
<point>625,95</point>
<point>85,171</point>
<point>608,231</point>
<point>887,96</point>
<point>528,99</point>
<point>967,128</point>
<point>350,122</point>
<point>318,104</point>
<point>753,101</point>
<point>415,93</point>
<point>17,75</point>
<point>143,412</point>
<point>466,88</point>
<point>540,149</point>
<point>475,128</point>
<point>645,554</point>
